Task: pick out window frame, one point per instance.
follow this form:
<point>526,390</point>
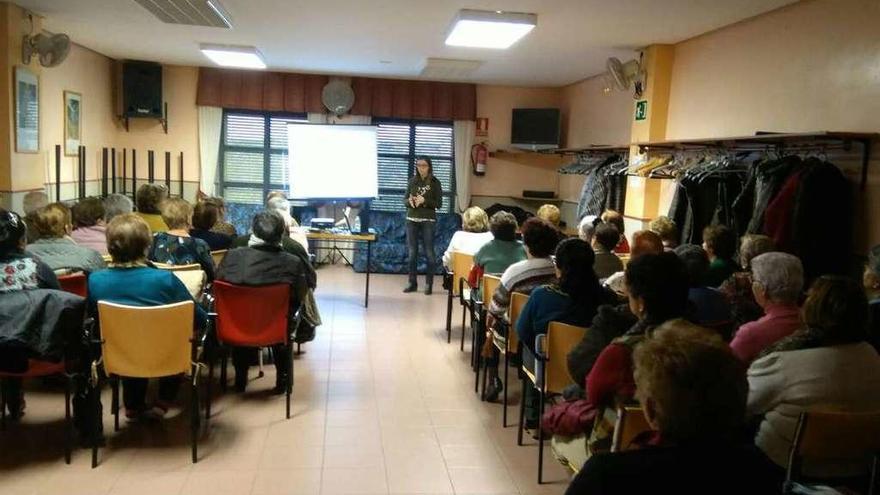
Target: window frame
<point>268,151</point>
<point>412,156</point>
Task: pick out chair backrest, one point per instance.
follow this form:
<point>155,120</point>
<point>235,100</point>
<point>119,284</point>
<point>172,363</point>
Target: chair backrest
<point>624,258</point>
<point>461,267</point>
<point>251,315</point>
<point>835,436</point>
<point>107,258</point>
<point>146,341</point>
<point>192,276</point>
<point>490,283</point>
<point>218,256</point>
<point>561,339</point>
<point>518,301</point>
<point>75,283</point>
<point>630,424</point>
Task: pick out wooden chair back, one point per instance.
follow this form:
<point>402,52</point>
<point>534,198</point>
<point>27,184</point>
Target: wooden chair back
<point>490,283</point>
<point>192,276</point>
<point>461,267</point>
<point>218,256</point>
<point>836,436</point>
<point>561,339</point>
<point>146,341</point>
<point>624,258</point>
<point>630,424</point>
<point>518,301</point>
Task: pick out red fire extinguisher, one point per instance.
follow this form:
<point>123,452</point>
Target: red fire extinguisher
<point>479,157</point>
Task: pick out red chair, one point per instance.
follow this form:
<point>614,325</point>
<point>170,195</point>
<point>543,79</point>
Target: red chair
<point>38,369</point>
<point>251,316</point>
<point>75,283</point>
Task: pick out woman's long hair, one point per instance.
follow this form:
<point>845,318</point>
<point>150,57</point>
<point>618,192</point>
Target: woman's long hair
<point>574,259</point>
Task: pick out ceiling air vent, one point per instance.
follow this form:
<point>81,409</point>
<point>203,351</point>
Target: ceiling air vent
<point>189,12</point>
<point>447,68</point>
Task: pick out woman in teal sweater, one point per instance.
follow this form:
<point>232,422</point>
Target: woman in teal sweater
<point>423,196</point>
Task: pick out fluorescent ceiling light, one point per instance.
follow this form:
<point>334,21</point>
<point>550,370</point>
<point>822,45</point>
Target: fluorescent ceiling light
<point>245,57</point>
<point>489,29</point>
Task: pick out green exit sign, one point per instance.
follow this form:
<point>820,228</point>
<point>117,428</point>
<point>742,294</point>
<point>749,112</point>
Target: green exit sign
<point>641,110</point>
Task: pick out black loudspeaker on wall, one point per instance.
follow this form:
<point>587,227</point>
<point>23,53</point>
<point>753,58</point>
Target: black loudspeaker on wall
<point>141,89</point>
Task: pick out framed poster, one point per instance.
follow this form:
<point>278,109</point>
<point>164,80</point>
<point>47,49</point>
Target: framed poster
<point>72,123</point>
<point>27,111</point>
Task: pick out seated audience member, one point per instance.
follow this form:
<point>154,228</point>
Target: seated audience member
<point>278,202</point>
<point>499,253</point>
<point>31,203</point>
<point>693,394</point>
<point>550,214</point>
<point>131,281</point>
<point>89,228</point>
<point>666,229</point>
<point>222,226</point>
<point>587,227</point>
<point>871,281</point>
<point>56,248</point>
<point>114,205</point>
<point>778,283</point>
<point>149,200</point>
<point>657,289</point>
<point>265,263</point>
<point>616,219</point>
<point>573,299</point>
<point>644,242</point>
<point>204,218</point>
<point>176,246</point>
<point>719,241</point>
<point>288,245</point>
<point>604,240</point>
<point>826,365</point>
<point>473,235</point>
<point>20,272</point>
<point>540,239</point>
<point>707,306</point>
<point>738,288</point>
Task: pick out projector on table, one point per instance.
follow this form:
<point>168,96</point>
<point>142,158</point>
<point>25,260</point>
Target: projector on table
<point>322,223</point>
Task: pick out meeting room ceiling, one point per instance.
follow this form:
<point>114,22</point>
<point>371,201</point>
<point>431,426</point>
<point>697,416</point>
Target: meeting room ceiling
<point>392,38</point>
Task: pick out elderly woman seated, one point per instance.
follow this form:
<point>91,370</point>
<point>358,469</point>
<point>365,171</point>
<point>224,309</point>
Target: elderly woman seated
<point>131,281</point>
<point>778,283</point>
<point>90,231</point>
<point>175,246</point>
<point>708,307</point>
<point>55,247</point>
<point>738,287</point>
<point>692,391</point>
<point>149,199</point>
<point>474,234</point>
<point>827,364</point>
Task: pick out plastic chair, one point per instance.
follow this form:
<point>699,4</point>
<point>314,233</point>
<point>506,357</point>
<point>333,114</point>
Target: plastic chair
<point>835,436</point>
<point>478,323</point>
<point>218,256</point>
<point>508,344</point>
<point>75,283</point>
<point>38,369</point>
<point>630,424</point>
<point>461,266</point>
<point>150,342</point>
<point>550,376</point>
<point>252,316</point>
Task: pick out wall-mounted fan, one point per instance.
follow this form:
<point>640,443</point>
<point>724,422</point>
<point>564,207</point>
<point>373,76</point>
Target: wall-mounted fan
<point>50,49</point>
<point>338,97</point>
<point>623,76</point>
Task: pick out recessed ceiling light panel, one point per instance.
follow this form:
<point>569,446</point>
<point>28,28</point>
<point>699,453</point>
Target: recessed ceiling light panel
<point>244,57</point>
<point>489,29</point>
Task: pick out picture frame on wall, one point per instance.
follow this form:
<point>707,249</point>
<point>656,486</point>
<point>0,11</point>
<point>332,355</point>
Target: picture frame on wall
<point>72,122</point>
<point>27,111</point>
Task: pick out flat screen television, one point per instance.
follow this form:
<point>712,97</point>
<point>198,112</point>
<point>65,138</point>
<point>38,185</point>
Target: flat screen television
<point>535,128</point>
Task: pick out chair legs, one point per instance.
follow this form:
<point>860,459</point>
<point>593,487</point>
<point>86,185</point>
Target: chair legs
<point>68,424</point>
<point>114,405</point>
<point>208,387</point>
<point>2,405</point>
<point>522,414</point>
<point>195,414</point>
<point>449,317</point>
<point>506,372</point>
<point>540,437</point>
<point>289,384</point>
<point>464,311</point>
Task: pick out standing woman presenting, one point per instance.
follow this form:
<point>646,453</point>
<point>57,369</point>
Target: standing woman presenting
<point>423,197</point>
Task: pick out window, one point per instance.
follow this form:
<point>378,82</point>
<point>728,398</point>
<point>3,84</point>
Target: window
<point>253,154</point>
<point>400,142</point>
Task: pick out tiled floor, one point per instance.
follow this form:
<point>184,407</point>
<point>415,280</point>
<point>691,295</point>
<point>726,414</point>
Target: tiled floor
<point>382,404</point>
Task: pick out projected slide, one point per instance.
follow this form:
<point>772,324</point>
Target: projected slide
<point>332,161</point>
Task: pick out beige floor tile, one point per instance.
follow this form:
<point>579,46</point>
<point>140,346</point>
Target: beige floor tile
<point>418,477</point>
<point>354,456</point>
<point>287,482</point>
<point>474,455</point>
<point>481,480</point>
<point>363,481</point>
<point>149,483</point>
<point>219,483</point>
<point>80,483</point>
<point>286,457</point>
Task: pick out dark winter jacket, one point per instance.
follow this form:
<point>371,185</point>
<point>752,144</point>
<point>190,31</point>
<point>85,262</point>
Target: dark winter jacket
<point>431,190</point>
<point>609,323</point>
<point>38,323</point>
